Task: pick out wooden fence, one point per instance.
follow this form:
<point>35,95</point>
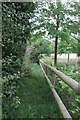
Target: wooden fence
<point>69,81</point>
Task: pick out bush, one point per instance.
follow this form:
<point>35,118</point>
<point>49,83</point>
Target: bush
<point>72,100</point>
<point>14,47</point>
<point>42,48</point>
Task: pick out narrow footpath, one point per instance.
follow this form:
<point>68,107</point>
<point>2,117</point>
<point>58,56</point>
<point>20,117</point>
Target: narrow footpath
<point>37,100</point>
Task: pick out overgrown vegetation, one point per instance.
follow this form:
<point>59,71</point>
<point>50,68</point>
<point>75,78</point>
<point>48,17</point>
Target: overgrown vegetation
<point>15,31</point>
<point>36,99</point>
<point>32,31</point>
<point>58,22</point>
<point>40,47</point>
<point>71,100</point>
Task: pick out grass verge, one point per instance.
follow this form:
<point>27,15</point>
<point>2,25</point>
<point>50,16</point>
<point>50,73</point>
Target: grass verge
<point>36,97</point>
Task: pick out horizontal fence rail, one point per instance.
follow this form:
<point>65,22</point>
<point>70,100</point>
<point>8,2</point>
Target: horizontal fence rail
<point>69,81</point>
<point>72,83</point>
<point>60,103</point>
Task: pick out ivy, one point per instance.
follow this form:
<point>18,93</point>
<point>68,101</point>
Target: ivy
<point>15,34</point>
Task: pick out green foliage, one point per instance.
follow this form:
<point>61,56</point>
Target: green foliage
<point>72,100</point>
<point>40,47</point>
<point>15,34</point>
<point>48,60</point>
<point>68,42</point>
<point>60,21</point>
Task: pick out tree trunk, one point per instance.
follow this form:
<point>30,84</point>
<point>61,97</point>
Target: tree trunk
<point>68,58</point>
<point>55,57</point>
<point>56,42</point>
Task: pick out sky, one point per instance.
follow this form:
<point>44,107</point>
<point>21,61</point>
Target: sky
<point>63,1</point>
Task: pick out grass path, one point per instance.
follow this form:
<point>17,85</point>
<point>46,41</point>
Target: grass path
<point>36,97</point>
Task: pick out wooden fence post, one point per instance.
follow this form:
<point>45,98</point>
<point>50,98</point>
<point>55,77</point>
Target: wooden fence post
<point>43,67</point>
<point>46,70</point>
<point>53,77</point>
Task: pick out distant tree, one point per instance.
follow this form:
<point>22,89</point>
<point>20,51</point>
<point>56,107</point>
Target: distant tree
<point>64,26</point>
<point>61,22</point>
<point>40,47</point>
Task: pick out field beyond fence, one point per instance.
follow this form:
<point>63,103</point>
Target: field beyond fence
<point>73,58</point>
